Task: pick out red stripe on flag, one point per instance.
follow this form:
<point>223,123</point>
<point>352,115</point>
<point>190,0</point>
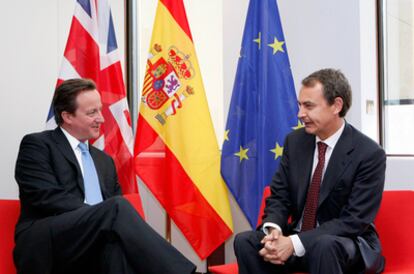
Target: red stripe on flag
<point>177,10</point>
<point>82,51</point>
<point>110,83</point>
<point>127,117</point>
<point>147,83</point>
<point>112,89</point>
<point>194,216</point>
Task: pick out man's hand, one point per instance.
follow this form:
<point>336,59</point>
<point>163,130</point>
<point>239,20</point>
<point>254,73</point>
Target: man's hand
<point>284,248</point>
<point>276,247</point>
<point>273,235</point>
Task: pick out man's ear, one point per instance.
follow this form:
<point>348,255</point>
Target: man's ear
<point>66,117</point>
<point>338,105</point>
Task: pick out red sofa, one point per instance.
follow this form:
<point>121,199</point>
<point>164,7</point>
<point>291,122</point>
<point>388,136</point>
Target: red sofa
<point>394,221</point>
<point>9,212</point>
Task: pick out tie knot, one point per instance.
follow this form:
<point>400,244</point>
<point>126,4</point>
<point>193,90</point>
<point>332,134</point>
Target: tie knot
<point>83,147</point>
<point>322,148</point>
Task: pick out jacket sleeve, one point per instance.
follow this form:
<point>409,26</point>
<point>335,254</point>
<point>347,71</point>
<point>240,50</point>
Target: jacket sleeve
<point>38,185</point>
<point>278,203</point>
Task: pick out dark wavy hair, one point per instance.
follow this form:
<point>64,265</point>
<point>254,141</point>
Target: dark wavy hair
<point>65,96</point>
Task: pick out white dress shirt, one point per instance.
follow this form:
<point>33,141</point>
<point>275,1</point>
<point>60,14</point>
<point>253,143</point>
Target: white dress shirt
<point>299,249</point>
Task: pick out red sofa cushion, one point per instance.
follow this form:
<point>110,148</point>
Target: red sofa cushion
<point>224,269</point>
<point>228,269</point>
<point>394,222</point>
<point>266,193</point>
<point>9,212</point>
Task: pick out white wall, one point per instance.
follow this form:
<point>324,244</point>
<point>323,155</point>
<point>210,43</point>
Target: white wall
<point>28,69</point>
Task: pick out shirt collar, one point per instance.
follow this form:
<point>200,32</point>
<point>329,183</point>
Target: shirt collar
<point>72,140</point>
<point>333,139</point>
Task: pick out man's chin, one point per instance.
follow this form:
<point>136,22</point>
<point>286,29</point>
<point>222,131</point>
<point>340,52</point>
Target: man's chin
<point>310,130</point>
<point>95,134</point>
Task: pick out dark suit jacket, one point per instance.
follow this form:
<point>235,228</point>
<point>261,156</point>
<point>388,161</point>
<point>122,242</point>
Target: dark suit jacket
<point>350,194</point>
<point>50,180</point>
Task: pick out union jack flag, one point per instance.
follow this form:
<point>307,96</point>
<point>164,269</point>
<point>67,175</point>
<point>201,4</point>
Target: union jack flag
<point>91,52</point>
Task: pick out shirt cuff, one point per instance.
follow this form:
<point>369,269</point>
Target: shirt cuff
<point>268,225</point>
<point>297,246</point>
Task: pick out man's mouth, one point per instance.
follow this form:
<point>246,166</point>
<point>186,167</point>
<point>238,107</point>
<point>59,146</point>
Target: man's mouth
<point>308,124</point>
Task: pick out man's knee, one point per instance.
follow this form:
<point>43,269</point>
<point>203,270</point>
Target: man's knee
<point>328,244</point>
<point>117,201</point>
<point>342,252</point>
<point>325,243</point>
<point>120,211</point>
<point>119,204</point>
<point>112,209</point>
<point>246,240</point>
<point>240,240</point>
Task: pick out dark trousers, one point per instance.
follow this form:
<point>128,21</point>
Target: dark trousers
<point>329,255</point>
<point>108,238</point>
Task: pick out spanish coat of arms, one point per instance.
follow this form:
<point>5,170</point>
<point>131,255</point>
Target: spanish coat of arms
<point>164,87</point>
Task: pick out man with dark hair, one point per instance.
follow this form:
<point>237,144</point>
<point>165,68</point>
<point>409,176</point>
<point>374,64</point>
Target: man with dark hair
<point>73,219</point>
<point>329,184</point>
<point>64,98</point>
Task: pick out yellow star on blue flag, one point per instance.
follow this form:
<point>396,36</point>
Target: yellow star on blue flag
<point>298,126</point>
<point>226,135</point>
<point>242,154</point>
<point>278,150</point>
<point>258,40</point>
<point>277,46</point>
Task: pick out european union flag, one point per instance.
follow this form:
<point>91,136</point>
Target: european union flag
<point>263,109</point>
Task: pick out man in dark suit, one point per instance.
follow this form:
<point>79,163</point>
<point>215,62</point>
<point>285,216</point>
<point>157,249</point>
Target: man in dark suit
<point>329,183</point>
<point>72,217</point>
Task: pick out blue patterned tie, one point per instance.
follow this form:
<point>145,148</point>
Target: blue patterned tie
<point>93,193</point>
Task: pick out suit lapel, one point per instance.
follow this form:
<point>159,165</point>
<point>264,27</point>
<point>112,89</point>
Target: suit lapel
<point>340,159</point>
<point>305,168</point>
<point>99,168</point>
<point>63,145</point>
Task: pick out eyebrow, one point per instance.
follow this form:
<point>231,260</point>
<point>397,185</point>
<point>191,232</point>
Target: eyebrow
<point>306,103</point>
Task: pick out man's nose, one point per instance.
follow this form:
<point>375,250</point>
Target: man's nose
<point>100,118</point>
<point>301,113</point>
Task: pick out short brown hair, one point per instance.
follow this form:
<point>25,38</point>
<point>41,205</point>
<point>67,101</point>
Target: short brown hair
<point>65,95</point>
<point>334,85</point>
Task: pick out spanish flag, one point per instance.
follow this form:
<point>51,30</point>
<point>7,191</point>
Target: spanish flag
<point>176,150</point>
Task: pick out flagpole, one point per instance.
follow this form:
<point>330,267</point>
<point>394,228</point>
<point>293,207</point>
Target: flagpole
<point>131,59</point>
<point>132,79</point>
<point>168,227</point>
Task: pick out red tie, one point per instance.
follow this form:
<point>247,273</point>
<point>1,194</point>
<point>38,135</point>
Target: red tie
<point>312,199</point>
